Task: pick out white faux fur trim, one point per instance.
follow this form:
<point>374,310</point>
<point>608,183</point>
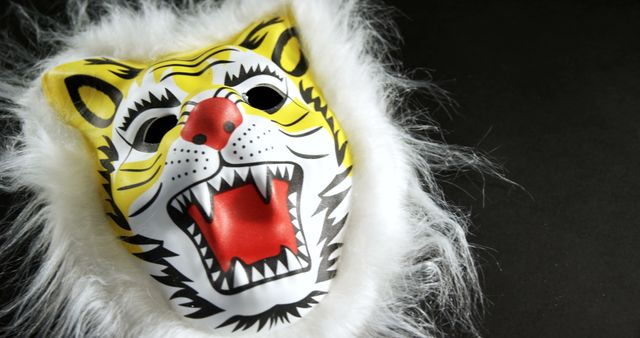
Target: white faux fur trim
<point>405,269</point>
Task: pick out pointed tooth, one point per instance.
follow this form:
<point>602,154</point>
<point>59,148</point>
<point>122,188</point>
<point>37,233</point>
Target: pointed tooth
<point>282,169</point>
<point>256,275</point>
<point>293,198</point>
<point>187,196</point>
<point>240,277</point>
<point>292,212</point>
<point>259,174</point>
<point>294,222</point>
<point>215,182</point>
<point>273,169</point>
<point>242,172</point>
<point>276,171</point>
<point>203,250</point>
<point>176,204</point>
<point>281,269</point>
<point>267,271</point>
<point>300,236</point>
<point>182,201</point>
<point>302,249</point>
<point>203,197</point>
<point>197,238</point>
<point>287,171</point>
<point>224,285</point>
<point>182,205</point>
<point>227,176</point>
<point>292,260</point>
<point>192,229</point>
<point>209,262</point>
<point>215,275</point>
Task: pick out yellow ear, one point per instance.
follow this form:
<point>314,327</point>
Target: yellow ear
<point>276,39</point>
<point>86,94</point>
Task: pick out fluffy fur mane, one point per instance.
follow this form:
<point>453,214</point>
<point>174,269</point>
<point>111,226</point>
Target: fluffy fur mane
<point>405,271</point>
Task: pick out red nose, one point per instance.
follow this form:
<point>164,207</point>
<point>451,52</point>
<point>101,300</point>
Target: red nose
<point>211,122</point>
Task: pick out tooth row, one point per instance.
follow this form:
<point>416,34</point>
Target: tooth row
<point>203,247</point>
<point>242,274</point>
<point>261,174</point>
<point>199,195</point>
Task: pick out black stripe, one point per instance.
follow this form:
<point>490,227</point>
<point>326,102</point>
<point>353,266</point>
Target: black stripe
<point>188,102</point>
<point>135,185</point>
<point>145,169</point>
<point>306,156</point>
<point>303,134</point>
<point>292,123</point>
<point>219,90</point>
<point>148,204</point>
<point>197,57</point>
<point>197,73</point>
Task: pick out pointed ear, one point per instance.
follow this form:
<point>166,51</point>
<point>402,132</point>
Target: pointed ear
<point>86,94</point>
<point>276,38</point>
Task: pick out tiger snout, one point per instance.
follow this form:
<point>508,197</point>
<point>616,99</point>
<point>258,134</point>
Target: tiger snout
<point>211,122</point>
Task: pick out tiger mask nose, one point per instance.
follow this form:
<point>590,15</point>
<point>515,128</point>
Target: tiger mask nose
<point>211,122</point>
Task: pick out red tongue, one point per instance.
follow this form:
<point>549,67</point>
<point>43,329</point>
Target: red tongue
<point>246,227</point>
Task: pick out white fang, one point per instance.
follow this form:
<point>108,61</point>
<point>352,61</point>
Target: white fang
<point>292,260</point>
<point>202,195</point>
<point>267,271</point>
<point>259,174</point>
<point>293,198</point>
<point>242,172</point>
<point>256,275</point>
<point>227,176</point>
<point>175,204</point>
<point>240,277</point>
<point>281,269</point>
<point>215,183</point>
<point>295,223</point>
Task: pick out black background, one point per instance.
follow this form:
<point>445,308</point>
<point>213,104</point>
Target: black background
<point>551,91</point>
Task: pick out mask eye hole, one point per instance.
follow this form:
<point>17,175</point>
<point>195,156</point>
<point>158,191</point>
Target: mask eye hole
<point>151,133</point>
<point>265,97</point>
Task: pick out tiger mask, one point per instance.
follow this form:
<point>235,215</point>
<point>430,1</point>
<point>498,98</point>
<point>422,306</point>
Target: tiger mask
<point>223,169</point>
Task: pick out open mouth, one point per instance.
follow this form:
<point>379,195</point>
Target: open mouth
<point>245,223</point>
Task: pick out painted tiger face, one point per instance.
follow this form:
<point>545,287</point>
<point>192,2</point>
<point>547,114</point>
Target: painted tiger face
<point>223,170</point>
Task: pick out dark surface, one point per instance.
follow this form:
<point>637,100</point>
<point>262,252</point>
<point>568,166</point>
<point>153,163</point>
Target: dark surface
<point>552,91</point>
